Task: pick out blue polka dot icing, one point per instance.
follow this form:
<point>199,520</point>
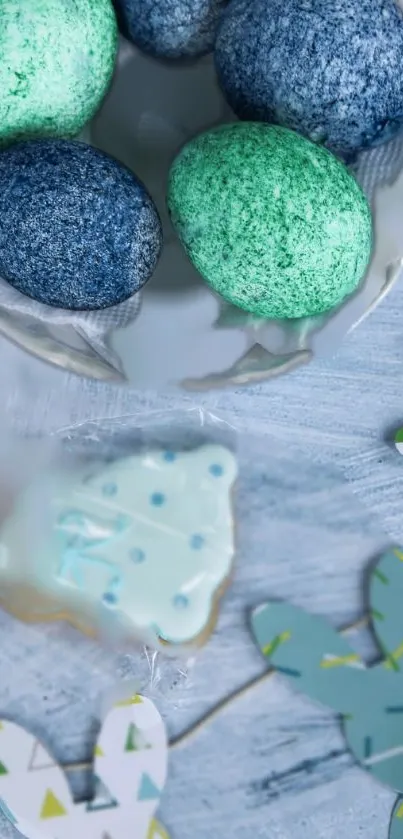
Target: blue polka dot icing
<point>216,469</point>
<point>157,499</point>
<point>137,555</point>
<point>110,598</point>
<point>135,559</point>
<point>171,28</point>
<point>197,541</point>
<point>330,69</point>
<point>181,601</point>
<point>169,456</point>
<point>78,230</point>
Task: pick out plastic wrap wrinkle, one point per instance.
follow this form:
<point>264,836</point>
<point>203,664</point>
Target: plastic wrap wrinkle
<point>85,536</point>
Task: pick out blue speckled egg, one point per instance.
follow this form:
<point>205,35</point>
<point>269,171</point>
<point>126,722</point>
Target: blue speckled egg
<point>171,28</point>
<point>330,69</point>
<point>77,229</point>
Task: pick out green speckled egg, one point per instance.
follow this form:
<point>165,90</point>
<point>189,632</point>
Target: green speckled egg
<point>56,61</point>
<point>275,224</point>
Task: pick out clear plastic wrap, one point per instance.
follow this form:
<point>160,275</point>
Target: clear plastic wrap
<point>129,535</point>
<point>301,537</point>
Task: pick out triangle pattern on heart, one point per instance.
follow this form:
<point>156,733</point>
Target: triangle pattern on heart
<point>156,831</point>
<point>125,703</point>
<point>102,800</point>
<point>7,812</point>
<point>127,783</point>
<point>148,791</point>
<point>135,739</point>
<point>51,807</point>
<point>40,759</point>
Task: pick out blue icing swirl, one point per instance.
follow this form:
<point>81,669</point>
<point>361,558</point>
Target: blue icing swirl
<point>157,499</point>
<point>180,601</point>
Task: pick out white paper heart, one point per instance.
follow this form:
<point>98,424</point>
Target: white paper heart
<point>130,767</point>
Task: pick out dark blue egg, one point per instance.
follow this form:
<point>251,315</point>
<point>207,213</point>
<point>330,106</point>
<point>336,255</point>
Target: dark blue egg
<point>171,28</point>
<point>330,69</point>
<point>77,229</point>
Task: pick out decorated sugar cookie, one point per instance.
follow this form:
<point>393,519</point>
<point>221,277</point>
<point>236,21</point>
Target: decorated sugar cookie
<point>145,544</point>
<point>315,659</point>
<point>130,769</point>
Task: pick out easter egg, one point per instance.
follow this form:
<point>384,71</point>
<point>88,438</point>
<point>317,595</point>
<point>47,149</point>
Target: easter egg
<point>171,28</point>
<point>77,229</point>
<point>330,69</point>
<point>56,61</point>
<point>275,224</point>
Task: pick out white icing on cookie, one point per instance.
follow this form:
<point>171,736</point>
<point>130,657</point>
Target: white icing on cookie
<point>149,537</point>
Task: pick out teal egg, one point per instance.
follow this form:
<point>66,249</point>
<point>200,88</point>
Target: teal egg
<point>56,62</point>
<point>275,224</point>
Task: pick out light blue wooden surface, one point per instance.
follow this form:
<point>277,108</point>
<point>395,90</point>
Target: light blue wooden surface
<point>272,764</point>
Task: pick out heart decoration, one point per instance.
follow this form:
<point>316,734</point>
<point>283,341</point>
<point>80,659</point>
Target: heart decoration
<point>130,768</point>
<point>316,660</point>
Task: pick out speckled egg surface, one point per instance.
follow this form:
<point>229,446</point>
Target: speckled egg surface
<point>171,28</point>
<point>77,229</point>
<point>331,69</point>
<point>56,61</point>
<point>274,223</point>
